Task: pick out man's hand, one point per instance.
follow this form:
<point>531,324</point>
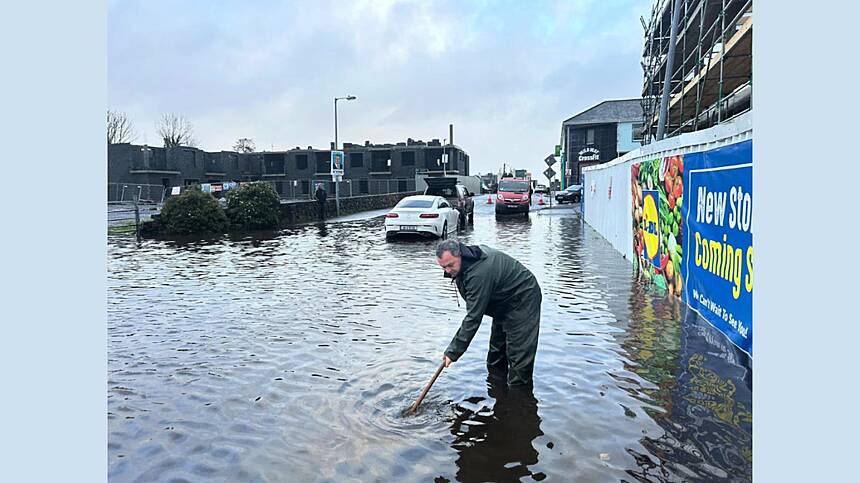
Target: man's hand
<point>447,360</point>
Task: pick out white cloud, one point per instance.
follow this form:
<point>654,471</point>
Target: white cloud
<point>505,73</point>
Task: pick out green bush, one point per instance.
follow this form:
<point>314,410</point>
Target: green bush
<point>192,212</point>
<point>254,206</point>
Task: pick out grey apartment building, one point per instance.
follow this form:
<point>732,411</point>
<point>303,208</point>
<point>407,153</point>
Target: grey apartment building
<point>369,168</point>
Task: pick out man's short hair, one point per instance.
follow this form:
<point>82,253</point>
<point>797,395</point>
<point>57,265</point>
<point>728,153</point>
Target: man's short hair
<point>448,246</point>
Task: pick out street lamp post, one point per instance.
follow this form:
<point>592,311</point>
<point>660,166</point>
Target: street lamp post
<point>443,161</point>
<point>336,178</point>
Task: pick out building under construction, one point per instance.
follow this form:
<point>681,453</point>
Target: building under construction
<point>706,45</point>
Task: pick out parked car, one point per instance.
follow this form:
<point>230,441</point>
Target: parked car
<point>513,196</point>
<point>542,188</point>
<point>456,194</point>
<point>425,215</point>
<point>571,194</point>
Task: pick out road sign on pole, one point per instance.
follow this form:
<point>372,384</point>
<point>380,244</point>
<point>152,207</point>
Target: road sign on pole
<point>549,173</point>
<point>549,160</point>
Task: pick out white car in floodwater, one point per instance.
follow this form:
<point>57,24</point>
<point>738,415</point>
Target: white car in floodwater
<point>426,215</point>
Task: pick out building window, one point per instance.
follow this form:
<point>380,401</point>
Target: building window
<point>637,132</point>
<point>407,158</point>
<point>323,162</point>
<point>380,161</point>
<point>356,160</point>
<point>301,161</point>
<point>274,163</point>
<point>589,137</point>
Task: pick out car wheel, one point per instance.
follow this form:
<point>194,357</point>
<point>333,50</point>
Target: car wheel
<point>444,234</point>
<point>472,217</point>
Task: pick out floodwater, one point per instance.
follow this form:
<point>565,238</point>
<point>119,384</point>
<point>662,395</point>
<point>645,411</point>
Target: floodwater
<point>293,356</point>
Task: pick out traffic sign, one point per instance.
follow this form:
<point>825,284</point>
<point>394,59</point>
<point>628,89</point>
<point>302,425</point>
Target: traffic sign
<point>549,173</point>
<point>550,160</point>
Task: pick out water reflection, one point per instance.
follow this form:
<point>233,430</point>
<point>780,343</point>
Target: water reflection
<point>323,229</point>
<point>705,415</point>
<point>494,443</point>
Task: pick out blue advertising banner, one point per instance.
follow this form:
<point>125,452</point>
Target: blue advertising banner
<point>718,249</point>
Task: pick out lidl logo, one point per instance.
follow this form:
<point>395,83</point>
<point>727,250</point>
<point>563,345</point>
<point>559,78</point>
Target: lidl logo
<point>651,228</point>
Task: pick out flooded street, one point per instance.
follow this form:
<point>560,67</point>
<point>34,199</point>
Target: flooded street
<point>292,357</point>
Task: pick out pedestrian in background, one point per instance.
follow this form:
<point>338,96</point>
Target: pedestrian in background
<point>320,195</point>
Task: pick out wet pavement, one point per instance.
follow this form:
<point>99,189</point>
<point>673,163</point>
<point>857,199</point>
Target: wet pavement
<point>292,357</point>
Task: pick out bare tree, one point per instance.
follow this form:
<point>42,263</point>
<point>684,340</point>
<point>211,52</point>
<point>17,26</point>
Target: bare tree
<point>245,145</point>
<point>119,128</point>
<point>176,131</point>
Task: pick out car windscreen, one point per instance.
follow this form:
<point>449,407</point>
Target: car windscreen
<point>514,186</point>
<point>415,204</point>
<point>443,192</point>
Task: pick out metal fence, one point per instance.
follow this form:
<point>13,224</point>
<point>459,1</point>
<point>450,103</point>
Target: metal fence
<point>303,189</point>
<point>128,192</point>
<point>290,189</point>
<point>128,202</point>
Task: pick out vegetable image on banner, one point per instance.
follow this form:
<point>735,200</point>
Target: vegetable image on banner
<point>658,194</point>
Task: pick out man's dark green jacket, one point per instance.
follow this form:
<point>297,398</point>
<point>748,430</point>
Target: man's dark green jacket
<point>495,284</point>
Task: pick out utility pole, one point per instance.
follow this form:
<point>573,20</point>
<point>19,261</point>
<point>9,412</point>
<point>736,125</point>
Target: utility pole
<point>343,161</point>
<point>444,159</point>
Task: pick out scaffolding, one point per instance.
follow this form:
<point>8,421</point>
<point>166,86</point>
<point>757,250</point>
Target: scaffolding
<point>711,65</point>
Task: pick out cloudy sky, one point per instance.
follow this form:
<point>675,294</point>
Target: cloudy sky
<point>505,73</point>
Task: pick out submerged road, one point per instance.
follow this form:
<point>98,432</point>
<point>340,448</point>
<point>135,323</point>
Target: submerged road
<point>292,357</point>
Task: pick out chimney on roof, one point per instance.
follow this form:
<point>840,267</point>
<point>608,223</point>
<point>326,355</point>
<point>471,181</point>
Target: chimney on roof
<point>451,133</point>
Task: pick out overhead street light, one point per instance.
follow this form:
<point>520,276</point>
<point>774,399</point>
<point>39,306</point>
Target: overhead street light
<point>345,98</point>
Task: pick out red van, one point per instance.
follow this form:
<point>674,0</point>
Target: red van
<point>513,195</point>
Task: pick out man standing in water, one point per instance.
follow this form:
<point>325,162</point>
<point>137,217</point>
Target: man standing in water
<point>320,195</point>
<point>493,283</point>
